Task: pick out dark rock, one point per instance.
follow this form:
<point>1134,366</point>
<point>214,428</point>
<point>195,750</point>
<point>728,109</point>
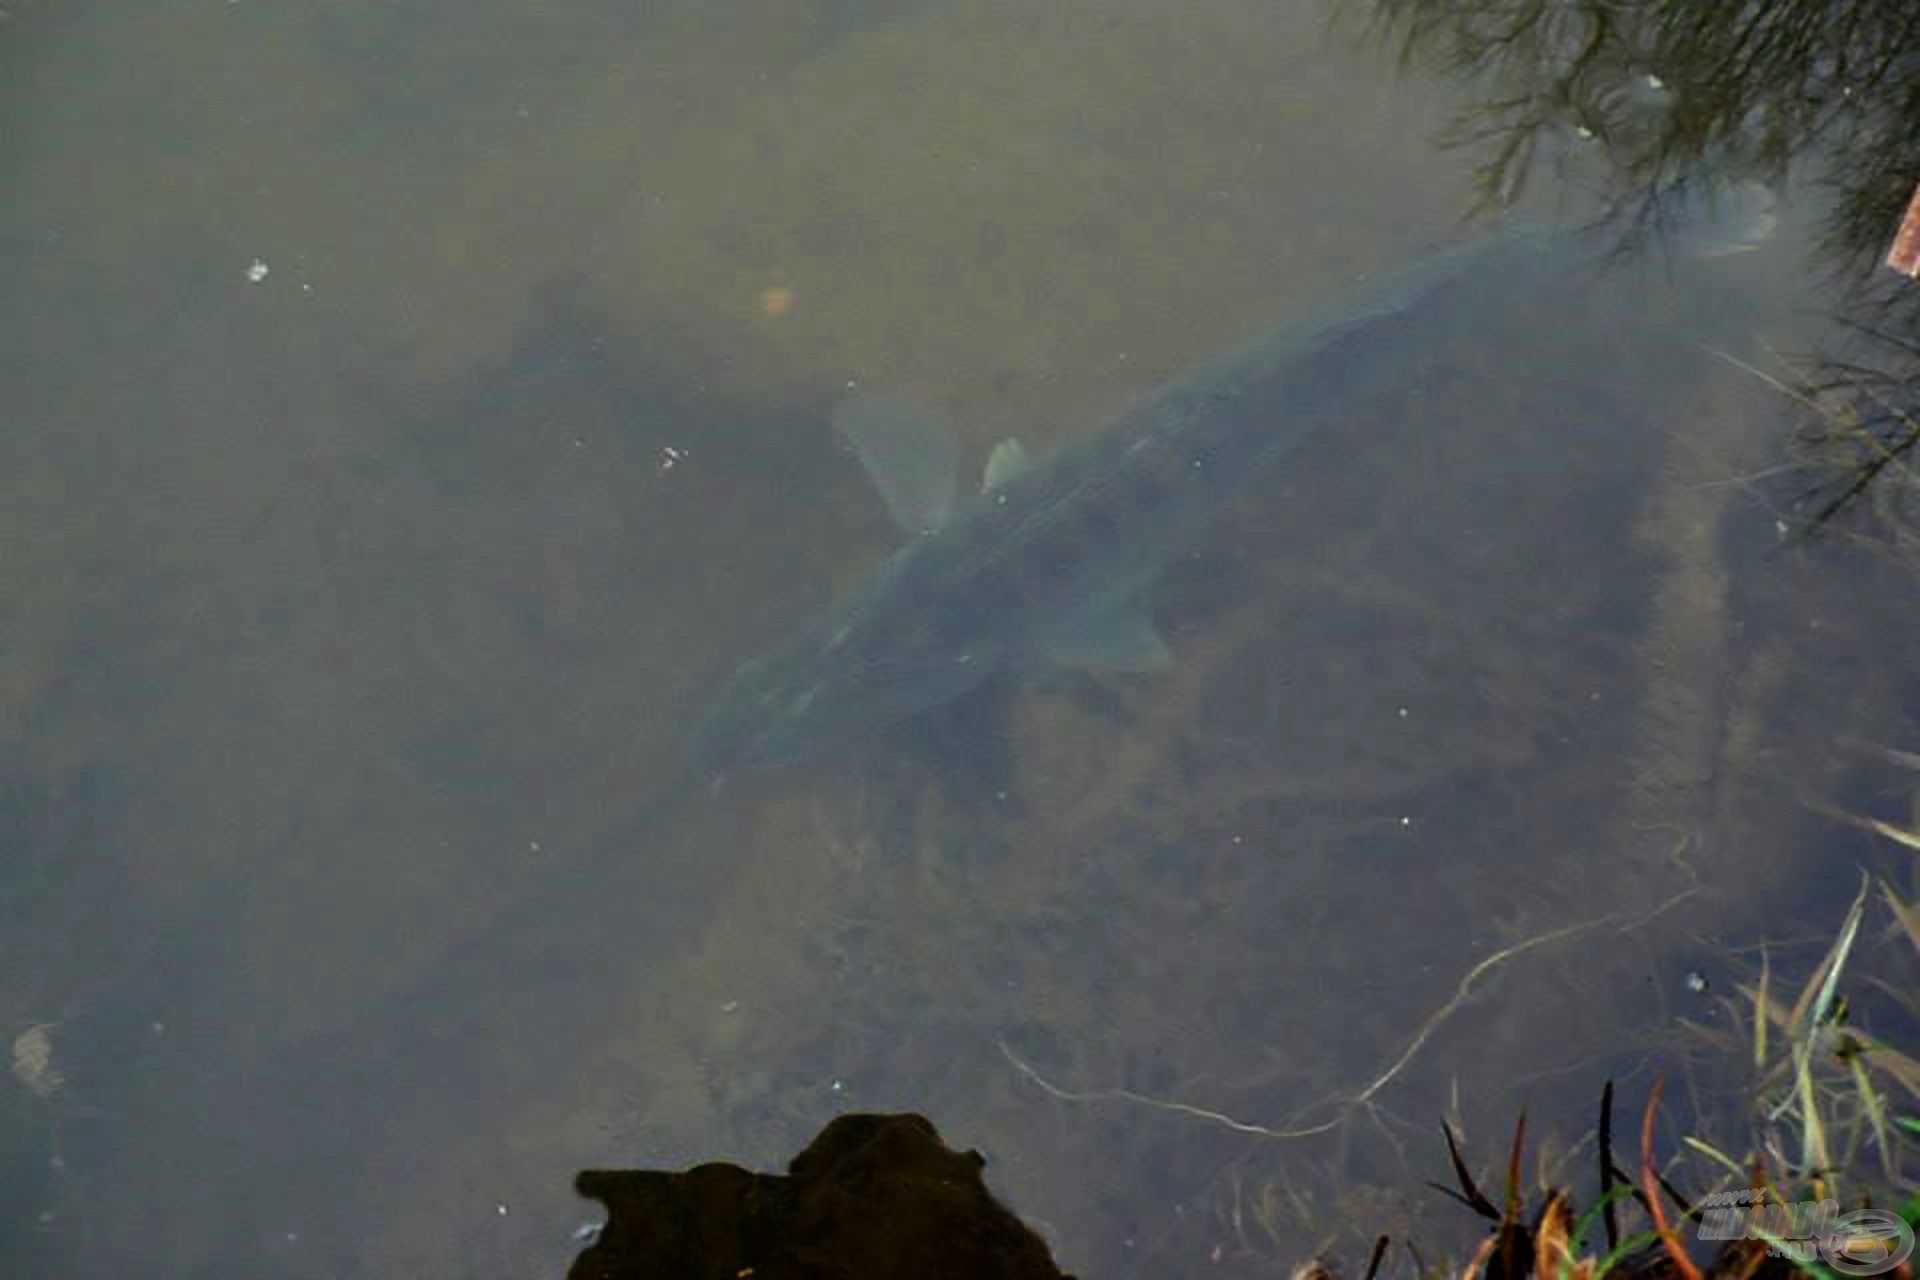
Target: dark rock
<point>873,1196</point>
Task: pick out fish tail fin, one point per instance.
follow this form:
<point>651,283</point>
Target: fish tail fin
<point>1709,222</point>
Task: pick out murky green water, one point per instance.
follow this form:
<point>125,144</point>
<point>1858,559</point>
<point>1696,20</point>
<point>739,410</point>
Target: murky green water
<point>410,412</point>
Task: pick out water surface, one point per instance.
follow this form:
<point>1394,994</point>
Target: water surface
<point>413,411</point>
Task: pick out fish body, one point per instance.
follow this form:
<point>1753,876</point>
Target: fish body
<point>1051,561</point>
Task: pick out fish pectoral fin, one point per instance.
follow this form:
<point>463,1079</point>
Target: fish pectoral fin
<point>911,457</point>
<point>1111,639</point>
<point>1008,459</point>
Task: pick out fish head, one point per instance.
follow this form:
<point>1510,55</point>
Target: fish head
<point>769,712</point>
<point>827,683</point>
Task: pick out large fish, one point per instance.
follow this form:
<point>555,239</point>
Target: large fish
<point>1051,561</point>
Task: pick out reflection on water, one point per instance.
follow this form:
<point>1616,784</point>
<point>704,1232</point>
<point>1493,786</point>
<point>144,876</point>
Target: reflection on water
<point>355,613</point>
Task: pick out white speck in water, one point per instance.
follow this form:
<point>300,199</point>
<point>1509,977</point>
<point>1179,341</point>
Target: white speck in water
<point>1402,713</point>
<point>1405,821</point>
<point>501,1208</point>
<point>730,1006</point>
<point>258,270</point>
<point>670,455</point>
<point>836,1086</point>
<point>1696,982</point>
<point>33,1062</point>
<point>533,846</point>
<point>588,1232</point>
<point>1655,82</point>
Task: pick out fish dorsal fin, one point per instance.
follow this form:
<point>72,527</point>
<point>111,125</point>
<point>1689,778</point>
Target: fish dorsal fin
<point>1116,638</point>
<point>1008,459</point>
<point>911,457</point>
